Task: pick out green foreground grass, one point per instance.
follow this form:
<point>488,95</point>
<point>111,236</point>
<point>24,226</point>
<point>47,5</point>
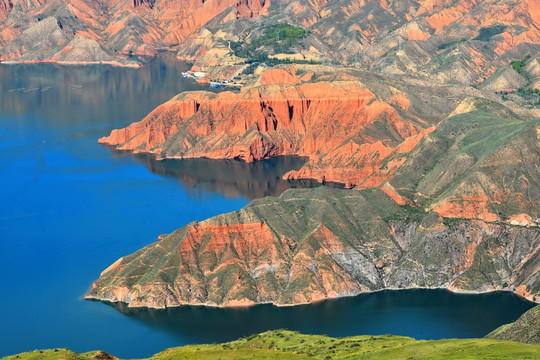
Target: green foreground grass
<point>282,344</point>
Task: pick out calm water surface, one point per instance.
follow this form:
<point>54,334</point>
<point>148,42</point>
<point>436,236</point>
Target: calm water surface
<point>71,207</point>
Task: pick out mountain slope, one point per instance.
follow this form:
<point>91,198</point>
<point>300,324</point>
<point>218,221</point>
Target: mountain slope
<point>363,130</point>
<point>476,165</point>
<point>320,243</point>
<point>526,329</point>
<point>451,41</point>
<point>464,41</point>
<point>140,27</point>
<point>456,209</point>
<point>348,123</point>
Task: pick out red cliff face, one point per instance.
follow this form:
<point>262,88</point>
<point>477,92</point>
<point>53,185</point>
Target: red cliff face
<point>346,131</point>
<point>359,132</point>
<point>364,33</point>
<point>315,244</point>
<point>181,21</point>
<point>139,27</point>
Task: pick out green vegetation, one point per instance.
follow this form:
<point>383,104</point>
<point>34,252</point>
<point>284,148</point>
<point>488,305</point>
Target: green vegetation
<point>527,93</point>
<point>283,34</point>
<point>279,38</point>
<point>408,213</point>
<point>532,95</point>
<point>486,33</point>
<point>250,69</point>
<point>518,65</point>
<point>456,154</point>
<point>525,329</point>
<point>283,344</point>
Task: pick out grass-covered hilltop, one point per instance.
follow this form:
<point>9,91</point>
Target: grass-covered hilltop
<point>517,340</point>
<point>283,344</point>
<point>526,329</point>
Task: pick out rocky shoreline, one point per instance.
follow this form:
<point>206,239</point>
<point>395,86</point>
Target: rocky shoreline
<point>527,297</point>
<point>341,243</point>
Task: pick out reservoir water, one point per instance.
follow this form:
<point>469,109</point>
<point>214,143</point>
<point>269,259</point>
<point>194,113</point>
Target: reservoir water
<point>70,207</point>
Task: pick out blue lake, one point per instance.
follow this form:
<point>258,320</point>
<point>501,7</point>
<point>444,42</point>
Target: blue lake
<point>71,207</point>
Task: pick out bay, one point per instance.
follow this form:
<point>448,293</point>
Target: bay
<point>71,207</point>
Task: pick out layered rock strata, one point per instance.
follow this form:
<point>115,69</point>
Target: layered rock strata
<point>315,244</point>
<point>459,211</point>
<point>348,126</point>
<point>460,41</point>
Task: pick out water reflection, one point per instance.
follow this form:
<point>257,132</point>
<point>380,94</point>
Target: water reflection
<point>104,94</point>
<point>231,178</point>
<point>422,314</point>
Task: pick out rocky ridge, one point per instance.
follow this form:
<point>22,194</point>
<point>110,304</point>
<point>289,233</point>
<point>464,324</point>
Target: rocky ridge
<point>457,209</point>
<point>481,164</point>
<point>349,124</point>
<point>463,41</point>
<point>362,130</point>
<point>114,29</point>
<point>446,173</point>
<point>315,244</point>
<point>460,41</point>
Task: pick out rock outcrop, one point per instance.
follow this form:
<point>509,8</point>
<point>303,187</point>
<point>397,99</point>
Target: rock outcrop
<point>348,128</point>
<point>362,130</point>
<point>456,207</point>
<point>120,28</point>
<point>315,244</point>
<point>459,41</point>
<point>454,41</point>
<point>5,8</point>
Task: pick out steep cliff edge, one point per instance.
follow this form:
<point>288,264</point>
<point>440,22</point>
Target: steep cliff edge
<point>315,244</point>
<point>348,124</point>
<point>459,41</point>
<point>116,29</point>
<point>457,209</point>
<point>363,130</point>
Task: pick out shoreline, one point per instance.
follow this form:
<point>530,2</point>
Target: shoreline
<point>245,306</point>
<point>72,63</point>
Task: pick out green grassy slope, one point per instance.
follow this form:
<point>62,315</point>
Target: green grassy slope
<point>282,344</point>
<point>525,329</point>
<point>486,155</point>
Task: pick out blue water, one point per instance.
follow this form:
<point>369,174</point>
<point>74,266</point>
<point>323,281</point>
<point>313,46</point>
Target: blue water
<point>70,207</point>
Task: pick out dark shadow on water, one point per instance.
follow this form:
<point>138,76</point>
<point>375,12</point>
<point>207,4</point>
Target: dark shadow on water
<point>422,314</point>
<point>231,178</point>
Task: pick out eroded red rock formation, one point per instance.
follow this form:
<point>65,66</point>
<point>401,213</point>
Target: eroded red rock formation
<point>346,131</point>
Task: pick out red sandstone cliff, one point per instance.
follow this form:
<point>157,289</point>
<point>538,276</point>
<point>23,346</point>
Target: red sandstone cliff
<point>139,27</point>
<point>342,126</point>
<point>458,40</point>
<point>315,244</point>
